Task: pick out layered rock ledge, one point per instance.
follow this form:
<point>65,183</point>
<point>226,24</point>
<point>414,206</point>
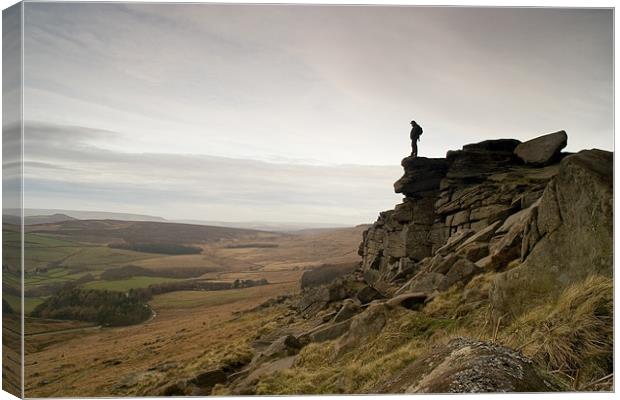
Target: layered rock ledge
<point>492,206</point>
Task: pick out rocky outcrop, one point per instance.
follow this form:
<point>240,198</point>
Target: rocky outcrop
<point>468,366</point>
<point>543,150</point>
<point>543,224</point>
<point>457,205</point>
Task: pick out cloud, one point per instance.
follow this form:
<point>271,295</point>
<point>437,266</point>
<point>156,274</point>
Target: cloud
<point>64,171</point>
<point>329,84</point>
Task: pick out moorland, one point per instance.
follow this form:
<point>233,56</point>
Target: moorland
<point>128,299</point>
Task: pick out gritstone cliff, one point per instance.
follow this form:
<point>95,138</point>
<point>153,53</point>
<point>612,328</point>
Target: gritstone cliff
<point>493,275</point>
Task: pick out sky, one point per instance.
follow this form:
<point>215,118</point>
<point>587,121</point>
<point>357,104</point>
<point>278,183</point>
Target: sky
<point>290,113</point>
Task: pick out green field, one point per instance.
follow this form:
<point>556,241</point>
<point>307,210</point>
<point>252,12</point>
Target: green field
<point>49,251</point>
<point>56,275</point>
<point>29,302</point>
<point>123,285</point>
<point>80,256</point>
<point>50,260</point>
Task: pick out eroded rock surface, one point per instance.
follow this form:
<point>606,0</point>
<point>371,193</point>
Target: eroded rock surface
<point>468,366</point>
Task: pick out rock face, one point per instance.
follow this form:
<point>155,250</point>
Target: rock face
<point>543,150</point>
<point>567,236</point>
<point>469,366</point>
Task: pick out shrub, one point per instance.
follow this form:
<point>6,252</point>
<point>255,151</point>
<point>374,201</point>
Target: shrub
<point>158,248</point>
<point>100,306</point>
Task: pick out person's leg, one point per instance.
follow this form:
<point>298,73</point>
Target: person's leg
<point>414,149</point>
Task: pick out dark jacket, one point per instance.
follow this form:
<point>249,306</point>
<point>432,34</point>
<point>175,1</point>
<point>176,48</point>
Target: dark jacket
<point>416,132</point>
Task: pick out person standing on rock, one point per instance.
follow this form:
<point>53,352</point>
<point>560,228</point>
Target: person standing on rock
<point>416,132</point>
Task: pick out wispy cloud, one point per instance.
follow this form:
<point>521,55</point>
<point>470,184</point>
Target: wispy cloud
<point>64,169</point>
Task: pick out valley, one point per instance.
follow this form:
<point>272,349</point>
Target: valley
<point>198,313</point>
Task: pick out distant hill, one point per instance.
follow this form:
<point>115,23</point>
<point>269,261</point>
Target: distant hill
<point>47,219</point>
<point>36,219</point>
<point>107,231</point>
<point>267,225</point>
<point>76,214</point>
<point>270,226</point>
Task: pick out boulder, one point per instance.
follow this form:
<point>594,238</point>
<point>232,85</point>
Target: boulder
<point>368,294</point>
<point>461,272</point>
<point>469,366</point>
<point>314,299</point>
<point>494,145</point>
<point>364,326</point>
<point>475,161</point>
<point>284,346</point>
<point>543,150</point>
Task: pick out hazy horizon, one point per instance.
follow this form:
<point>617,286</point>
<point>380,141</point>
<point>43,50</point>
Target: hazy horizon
<point>290,113</point>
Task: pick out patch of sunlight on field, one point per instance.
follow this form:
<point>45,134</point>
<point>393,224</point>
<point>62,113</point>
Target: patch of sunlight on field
<point>29,302</point>
<point>103,256</point>
<point>135,282</point>
<point>37,240</point>
<point>170,261</point>
<point>191,299</point>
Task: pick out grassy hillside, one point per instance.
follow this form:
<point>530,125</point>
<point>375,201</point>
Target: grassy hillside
<point>193,329</point>
<point>106,231</point>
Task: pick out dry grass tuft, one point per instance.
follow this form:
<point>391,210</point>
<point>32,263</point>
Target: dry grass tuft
<point>572,335</point>
<point>318,370</point>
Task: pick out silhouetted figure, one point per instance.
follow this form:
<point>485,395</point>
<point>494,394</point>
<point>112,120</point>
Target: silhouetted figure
<point>416,132</point>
